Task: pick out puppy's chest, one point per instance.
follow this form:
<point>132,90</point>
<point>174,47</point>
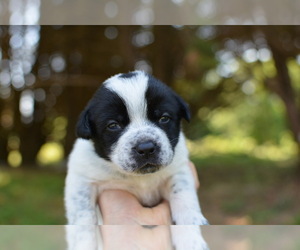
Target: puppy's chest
<point>148,192</point>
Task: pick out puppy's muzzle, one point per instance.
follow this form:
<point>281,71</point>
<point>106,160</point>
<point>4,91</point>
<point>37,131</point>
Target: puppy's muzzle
<point>146,156</point>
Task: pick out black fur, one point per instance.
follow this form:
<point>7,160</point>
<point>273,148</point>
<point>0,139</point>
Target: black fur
<point>128,75</point>
<point>103,107</point>
<point>160,100</point>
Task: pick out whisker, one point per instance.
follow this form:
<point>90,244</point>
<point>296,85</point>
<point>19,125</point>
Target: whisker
<point>177,138</point>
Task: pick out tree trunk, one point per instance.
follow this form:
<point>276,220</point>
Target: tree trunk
<point>3,149</point>
<point>78,95</point>
<point>285,91</point>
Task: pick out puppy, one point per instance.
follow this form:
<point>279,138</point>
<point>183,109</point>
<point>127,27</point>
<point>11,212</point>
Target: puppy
<point>130,138</point>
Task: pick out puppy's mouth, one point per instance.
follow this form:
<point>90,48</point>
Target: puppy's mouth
<point>148,168</point>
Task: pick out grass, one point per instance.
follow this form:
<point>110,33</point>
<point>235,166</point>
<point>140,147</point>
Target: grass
<point>235,189</point>
<point>31,197</point>
<point>239,189</point>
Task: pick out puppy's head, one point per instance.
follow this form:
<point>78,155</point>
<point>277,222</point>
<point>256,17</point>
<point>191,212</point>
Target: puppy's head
<point>134,122</point>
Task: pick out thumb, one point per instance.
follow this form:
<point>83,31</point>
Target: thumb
<point>161,213</point>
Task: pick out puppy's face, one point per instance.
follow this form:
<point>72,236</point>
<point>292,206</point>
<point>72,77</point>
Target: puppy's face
<point>134,121</point>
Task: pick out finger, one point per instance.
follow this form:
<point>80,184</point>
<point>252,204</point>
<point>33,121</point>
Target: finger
<point>195,174</point>
<point>118,207</point>
<point>122,208</point>
<point>117,198</point>
<point>161,214</point>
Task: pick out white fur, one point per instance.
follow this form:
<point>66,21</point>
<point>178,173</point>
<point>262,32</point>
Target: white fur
<point>132,91</point>
<point>89,174</point>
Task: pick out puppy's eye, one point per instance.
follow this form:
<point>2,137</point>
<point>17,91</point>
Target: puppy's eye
<point>164,119</point>
<point>113,126</point>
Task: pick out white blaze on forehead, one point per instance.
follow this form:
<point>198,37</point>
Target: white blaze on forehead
<point>132,91</point>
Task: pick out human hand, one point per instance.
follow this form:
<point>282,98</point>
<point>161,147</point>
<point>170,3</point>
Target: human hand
<point>122,208</point>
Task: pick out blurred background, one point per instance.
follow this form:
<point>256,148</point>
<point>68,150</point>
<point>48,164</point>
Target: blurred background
<point>242,84</point>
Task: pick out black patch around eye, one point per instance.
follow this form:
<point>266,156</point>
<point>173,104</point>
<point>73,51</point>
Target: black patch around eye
<point>128,75</point>
<point>104,107</point>
<point>161,100</point>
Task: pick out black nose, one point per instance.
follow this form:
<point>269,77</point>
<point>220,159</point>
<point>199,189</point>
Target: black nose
<point>145,148</point>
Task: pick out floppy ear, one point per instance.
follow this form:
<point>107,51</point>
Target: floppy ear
<point>184,109</point>
<point>83,128</point>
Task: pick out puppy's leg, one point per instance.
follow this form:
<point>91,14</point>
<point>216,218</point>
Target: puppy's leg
<point>183,199</point>
<point>80,202</point>
<point>186,211</point>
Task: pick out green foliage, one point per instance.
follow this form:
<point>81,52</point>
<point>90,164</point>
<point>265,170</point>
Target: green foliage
<point>260,117</point>
<point>254,126</point>
<point>267,121</point>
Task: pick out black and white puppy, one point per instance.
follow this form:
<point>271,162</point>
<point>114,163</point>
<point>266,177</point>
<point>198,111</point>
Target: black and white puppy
<point>130,138</point>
